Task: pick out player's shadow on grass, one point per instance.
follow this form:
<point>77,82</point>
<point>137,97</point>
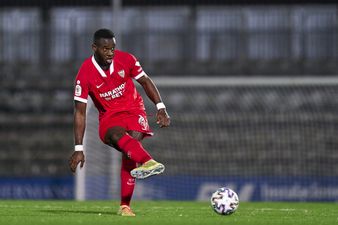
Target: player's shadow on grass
<point>61,211</point>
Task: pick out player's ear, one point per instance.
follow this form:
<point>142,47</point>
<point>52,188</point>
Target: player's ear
<point>94,47</point>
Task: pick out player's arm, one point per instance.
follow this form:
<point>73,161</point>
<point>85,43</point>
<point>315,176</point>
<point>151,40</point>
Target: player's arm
<point>162,117</point>
<point>79,129</point>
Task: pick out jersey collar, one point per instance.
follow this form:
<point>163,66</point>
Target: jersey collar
<point>103,74</point>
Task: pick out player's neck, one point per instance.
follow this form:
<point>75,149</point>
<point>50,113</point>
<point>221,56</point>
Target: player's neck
<point>102,65</point>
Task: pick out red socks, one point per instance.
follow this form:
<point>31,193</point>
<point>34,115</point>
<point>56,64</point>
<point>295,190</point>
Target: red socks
<point>133,153</point>
<point>133,149</point>
<point>127,181</point>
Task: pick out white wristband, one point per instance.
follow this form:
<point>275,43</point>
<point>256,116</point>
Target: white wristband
<point>78,148</point>
<point>160,105</point>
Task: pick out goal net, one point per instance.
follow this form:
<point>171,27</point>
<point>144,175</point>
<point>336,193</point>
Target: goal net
<point>267,138</point>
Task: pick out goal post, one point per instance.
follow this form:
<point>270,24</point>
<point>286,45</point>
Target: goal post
<point>99,178</point>
<point>269,139</point>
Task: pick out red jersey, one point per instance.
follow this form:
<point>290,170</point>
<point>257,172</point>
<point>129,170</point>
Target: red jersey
<point>112,91</point>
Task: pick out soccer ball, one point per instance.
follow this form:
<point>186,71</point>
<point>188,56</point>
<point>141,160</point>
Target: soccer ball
<point>224,201</point>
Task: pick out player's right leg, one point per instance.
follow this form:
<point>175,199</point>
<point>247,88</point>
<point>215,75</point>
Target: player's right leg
<point>127,186</point>
<point>125,210</point>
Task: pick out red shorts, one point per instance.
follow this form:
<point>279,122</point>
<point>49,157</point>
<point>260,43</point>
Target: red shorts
<point>131,121</point>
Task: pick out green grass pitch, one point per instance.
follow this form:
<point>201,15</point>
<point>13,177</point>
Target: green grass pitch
<point>164,212</point>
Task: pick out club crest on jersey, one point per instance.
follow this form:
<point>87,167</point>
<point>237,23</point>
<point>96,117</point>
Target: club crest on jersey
<point>143,122</point>
<point>121,73</point>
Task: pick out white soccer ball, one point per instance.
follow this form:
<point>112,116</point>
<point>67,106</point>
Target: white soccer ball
<point>224,201</point>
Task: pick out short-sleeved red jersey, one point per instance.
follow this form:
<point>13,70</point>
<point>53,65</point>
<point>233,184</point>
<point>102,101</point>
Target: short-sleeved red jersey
<point>112,91</point>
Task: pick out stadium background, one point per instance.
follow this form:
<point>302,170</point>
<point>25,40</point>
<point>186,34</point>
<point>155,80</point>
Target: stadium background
<point>251,88</point>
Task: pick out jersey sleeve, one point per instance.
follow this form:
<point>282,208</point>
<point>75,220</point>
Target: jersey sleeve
<point>81,86</point>
<point>136,69</point>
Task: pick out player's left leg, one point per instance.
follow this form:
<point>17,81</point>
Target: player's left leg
<point>118,138</point>
<point>148,169</point>
<point>138,123</point>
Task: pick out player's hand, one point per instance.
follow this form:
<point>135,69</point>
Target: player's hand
<point>162,118</point>
<point>76,158</point>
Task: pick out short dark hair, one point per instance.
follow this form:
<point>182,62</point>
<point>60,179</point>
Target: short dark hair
<point>103,33</point>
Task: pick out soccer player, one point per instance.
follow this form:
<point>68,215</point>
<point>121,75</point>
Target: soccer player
<point>107,77</point>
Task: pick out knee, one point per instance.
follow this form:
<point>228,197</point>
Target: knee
<point>113,135</point>
<point>136,135</point>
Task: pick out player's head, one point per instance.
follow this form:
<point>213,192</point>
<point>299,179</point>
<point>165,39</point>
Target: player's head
<point>104,45</point>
